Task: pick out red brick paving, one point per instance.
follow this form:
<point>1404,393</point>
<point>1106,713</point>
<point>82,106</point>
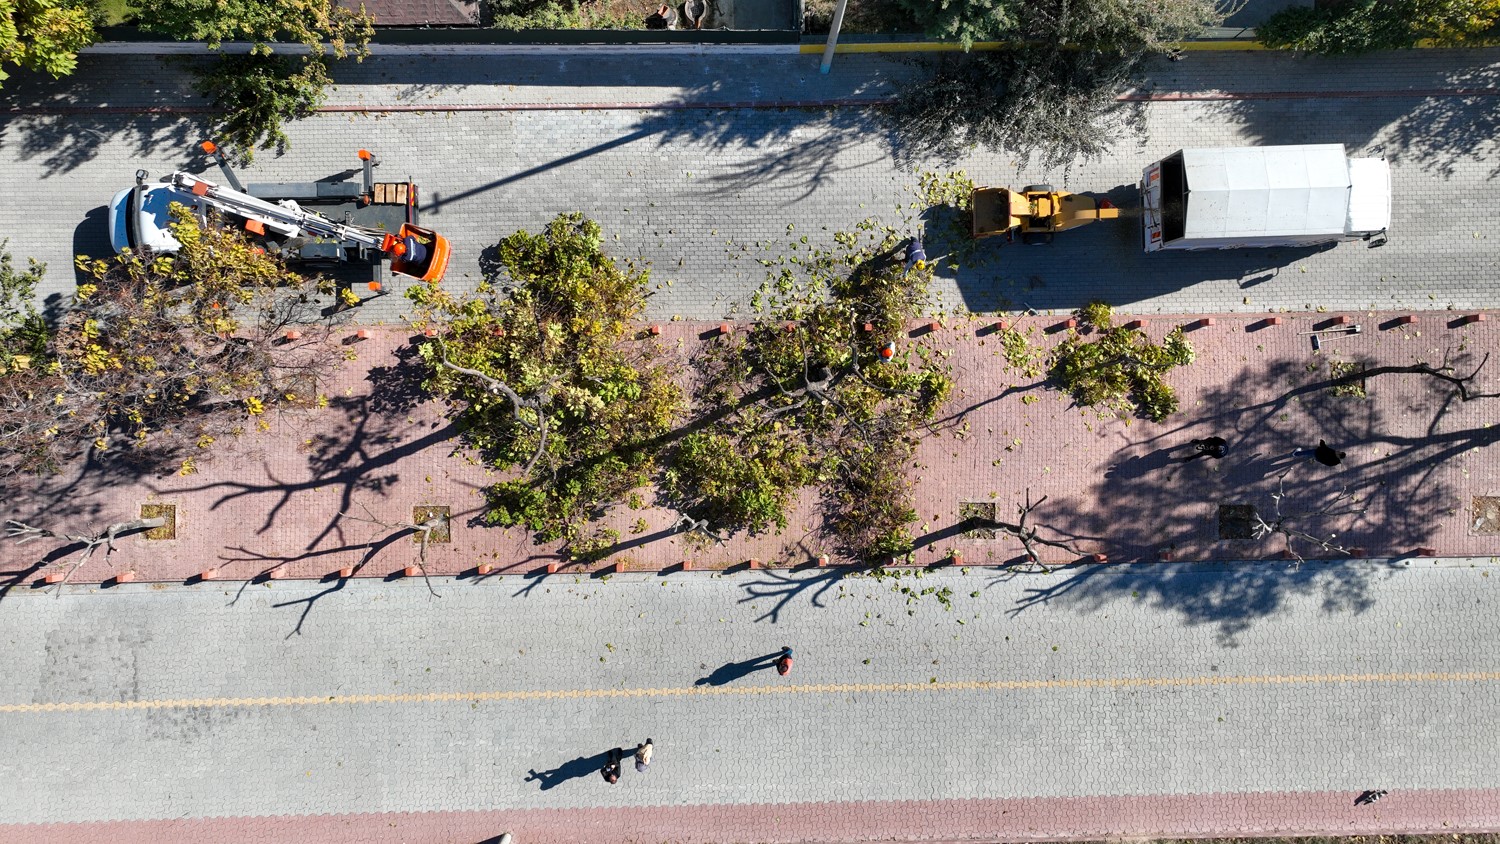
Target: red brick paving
<point>1014,820</point>
<point>272,500</point>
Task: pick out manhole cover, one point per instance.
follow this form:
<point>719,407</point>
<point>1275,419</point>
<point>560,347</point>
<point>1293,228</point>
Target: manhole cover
<point>1236,521</point>
<point>166,511</point>
<point>974,513</point>
<point>1486,515</point>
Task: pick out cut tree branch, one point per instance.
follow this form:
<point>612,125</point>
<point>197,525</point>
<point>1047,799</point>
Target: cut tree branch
<point>693,525</point>
<point>1283,523</point>
<point>23,533</point>
<point>423,530</point>
<point>1029,535</point>
<point>499,388</point>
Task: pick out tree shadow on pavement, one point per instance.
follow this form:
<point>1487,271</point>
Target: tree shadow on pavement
<point>1407,442</point>
<point>1437,133</point>
<point>69,123</point>
<point>1227,597</point>
<point>782,589</point>
<point>573,769</point>
<point>1444,132</point>
<point>354,456</point>
<point>791,151</point>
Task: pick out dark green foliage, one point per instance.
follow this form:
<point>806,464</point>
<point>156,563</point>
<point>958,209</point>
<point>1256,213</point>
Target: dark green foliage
<point>964,21</point>
<point>1052,93</point>
<point>811,404</point>
<point>556,14</point>
<point>255,94</point>
<point>1360,26</point>
<point>1054,105</point>
<point>596,402</point>
<point>23,332</point>
<point>1350,28</point>
<point>314,23</point>
<point>1119,368</point>
<point>747,483</point>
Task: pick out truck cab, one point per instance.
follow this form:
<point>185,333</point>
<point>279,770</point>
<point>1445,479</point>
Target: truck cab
<point>139,216</point>
<point>322,224</point>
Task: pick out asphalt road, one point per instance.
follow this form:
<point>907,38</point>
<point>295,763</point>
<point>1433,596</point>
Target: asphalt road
<point>699,193</point>
<point>145,703</point>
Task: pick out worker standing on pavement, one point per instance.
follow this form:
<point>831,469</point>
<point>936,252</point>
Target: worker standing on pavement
<point>916,256</point>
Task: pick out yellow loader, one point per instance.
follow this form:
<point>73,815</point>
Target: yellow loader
<point>1036,212</point>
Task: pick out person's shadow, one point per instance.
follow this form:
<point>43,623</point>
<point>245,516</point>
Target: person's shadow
<point>731,671</point>
<point>1141,464</point>
<point>571,770</point>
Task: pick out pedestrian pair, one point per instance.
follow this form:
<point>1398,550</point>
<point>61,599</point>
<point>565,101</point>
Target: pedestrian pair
<point>611,769</point>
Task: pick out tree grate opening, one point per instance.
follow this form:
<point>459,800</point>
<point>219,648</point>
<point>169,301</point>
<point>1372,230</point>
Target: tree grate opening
<point>1236,521</point>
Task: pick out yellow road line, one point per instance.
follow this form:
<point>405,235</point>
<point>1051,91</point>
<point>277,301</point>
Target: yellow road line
<point>745,691</point>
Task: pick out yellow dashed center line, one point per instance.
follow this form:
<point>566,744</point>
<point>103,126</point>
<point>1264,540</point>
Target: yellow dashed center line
<point>745,691</point>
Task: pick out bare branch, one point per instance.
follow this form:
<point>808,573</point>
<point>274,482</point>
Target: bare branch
<point>1285,523</point>
<point>500,388</point>
<point>697,526</point>
<point>422,530</point>
<point>23,533</point>
<point>1029,535</point>
<point>1443,373</point>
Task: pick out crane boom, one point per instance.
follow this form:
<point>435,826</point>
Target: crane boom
<point>285,217</point>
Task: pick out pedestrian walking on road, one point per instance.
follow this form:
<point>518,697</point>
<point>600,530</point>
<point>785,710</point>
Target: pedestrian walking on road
<point>1324,453</point>
<point>643,756</point>
<point>784,662</point>
<point>611,769</point>
<point>1215,447</point>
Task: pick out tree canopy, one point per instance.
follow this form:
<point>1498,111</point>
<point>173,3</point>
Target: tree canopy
<point>314,23</point>
<point>255,94</point>
<point>1360,26</point>
<point>551,382</point>
<point>1124,25</point>
<point>43,35</point>
<point>1052,92</point>
<point>165,354</point>
<point>810,397</point>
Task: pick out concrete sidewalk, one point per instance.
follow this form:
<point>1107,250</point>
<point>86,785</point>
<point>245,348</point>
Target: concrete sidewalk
<point>1417,467</point>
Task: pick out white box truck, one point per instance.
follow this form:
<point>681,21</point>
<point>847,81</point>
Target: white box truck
<point>1264,196</point>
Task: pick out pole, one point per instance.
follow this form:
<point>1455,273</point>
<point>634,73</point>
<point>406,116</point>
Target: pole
<point>833,35</point>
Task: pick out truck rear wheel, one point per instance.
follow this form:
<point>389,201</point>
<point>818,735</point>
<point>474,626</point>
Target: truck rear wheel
<point>1038,189</point>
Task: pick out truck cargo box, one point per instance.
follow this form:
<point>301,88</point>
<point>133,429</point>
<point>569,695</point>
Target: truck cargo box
<point>1264,196</point>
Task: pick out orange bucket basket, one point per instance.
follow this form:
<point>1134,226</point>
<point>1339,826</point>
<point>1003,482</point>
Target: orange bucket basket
<point>433,265</point>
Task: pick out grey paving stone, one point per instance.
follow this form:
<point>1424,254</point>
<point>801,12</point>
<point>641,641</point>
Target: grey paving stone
<point>143,644</point>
